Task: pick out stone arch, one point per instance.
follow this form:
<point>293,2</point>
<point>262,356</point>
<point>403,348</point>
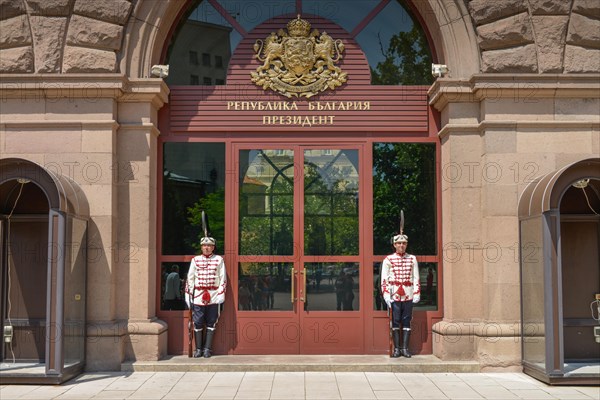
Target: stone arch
<point>48,213</point>
<point>545,193</point>
<point>559,241</point>
<point>452,35</point>
<point>448,23</point>
<point>146,34</point>
<point>470,36</point>
<point>62,193</point>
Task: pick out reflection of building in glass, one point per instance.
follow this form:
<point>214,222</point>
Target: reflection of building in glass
<point>255,191</point>
<point>335,170</point>
<point>339,167</point>
<point>265,172</point>
<point>200,54</point>
<point>198,163</point>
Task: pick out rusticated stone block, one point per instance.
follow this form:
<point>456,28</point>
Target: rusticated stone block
<point>91,32</point>
<point>583,31</point>
<point>584,109</point>
<point>520,59</point>
<point>49,8</point>
<point>550,32</point>
<point>115,11</point>
<point>16,60</point>
<point>11,8</point>
<point>78,59</point>
<point>15,32</point>
<point>587,7</point>
<point>506,32</point>
<point>484,11</point>
<point>550,7</point>
<point>579,59</point>
<point>48,39</point>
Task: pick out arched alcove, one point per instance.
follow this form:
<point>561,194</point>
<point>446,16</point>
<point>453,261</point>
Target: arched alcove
<point>43,224</point>
<point>559,228</point>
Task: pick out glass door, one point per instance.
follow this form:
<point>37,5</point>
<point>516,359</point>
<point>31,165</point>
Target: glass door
<point>267,265</point>
<point>330,259</point>
<point>298,253</point>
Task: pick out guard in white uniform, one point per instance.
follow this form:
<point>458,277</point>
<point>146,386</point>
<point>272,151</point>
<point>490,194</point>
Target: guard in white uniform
<point>401,288</point>
<point>205,290</point>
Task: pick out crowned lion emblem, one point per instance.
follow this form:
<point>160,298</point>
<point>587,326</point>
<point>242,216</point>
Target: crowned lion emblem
<point>299,62</point>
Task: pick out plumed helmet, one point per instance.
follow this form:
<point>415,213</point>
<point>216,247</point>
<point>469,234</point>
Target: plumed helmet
<point>399,238</point>
<point>208,240</point>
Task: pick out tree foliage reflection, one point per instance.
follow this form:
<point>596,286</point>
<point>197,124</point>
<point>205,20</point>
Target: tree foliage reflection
<point>404,179</point>
<point>407,60</point>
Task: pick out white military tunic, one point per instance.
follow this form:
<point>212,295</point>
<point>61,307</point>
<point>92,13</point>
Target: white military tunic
<point>206,280</point>
<point>400,277</point>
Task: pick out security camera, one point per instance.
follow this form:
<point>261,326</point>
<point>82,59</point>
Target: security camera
<point>439,70</point>
<point>159,71</point>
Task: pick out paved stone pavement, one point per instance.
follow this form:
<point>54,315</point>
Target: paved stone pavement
<point>299,385</point>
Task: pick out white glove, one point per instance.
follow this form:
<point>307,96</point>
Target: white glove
<point>388,302</point>
<point>416,298</point>
<point>187,300</point>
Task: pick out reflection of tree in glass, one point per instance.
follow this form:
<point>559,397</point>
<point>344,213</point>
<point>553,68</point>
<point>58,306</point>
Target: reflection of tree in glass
<point>404,179</point>
<point>407,60</point>
<point>172,216</point>
<point>331,212</point>
<point>178,235</point>
<point>214,206</point>
<point>268,230</point>
<point>256,269</point>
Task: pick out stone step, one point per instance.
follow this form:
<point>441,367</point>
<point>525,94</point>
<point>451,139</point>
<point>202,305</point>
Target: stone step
<point>302,363</point>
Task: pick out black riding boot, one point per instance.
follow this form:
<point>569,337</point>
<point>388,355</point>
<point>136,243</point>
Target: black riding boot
<point>405,339</point>
<point>396,337</point>
<point>208,345</point>
<point>198,340</point>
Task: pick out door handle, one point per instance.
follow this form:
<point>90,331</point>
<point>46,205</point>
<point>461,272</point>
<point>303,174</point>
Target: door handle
<point>303,290</point>
<point>292,279</point>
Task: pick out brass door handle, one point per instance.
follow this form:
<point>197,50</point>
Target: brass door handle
<point>303,290</point>
<point>292,279</point>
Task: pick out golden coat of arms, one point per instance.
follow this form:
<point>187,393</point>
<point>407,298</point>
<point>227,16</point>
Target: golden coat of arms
<point>299,62</point>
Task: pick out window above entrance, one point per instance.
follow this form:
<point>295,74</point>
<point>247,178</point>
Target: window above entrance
<point>390,37</point>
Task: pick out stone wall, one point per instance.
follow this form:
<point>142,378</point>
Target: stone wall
<point>524,36</point>
<point>537,36</point>
<point>61,36</point>
<point>499,132</point>
<point>100,130</point>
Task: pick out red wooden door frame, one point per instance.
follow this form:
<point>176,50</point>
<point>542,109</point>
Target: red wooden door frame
<point>298,331</point>
<point>373,322</point>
